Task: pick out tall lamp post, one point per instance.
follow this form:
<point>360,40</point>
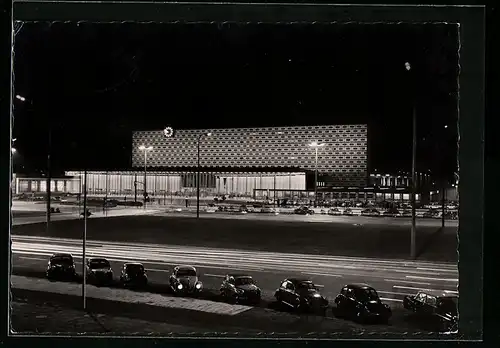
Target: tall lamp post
<point>316,146</point>
<point>145,149</point>
<point>413,246</point>
<point>198,173</point>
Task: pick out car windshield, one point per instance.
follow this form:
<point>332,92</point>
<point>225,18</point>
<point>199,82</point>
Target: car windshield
<point>99,263</point>
<point>306,286</point>
<point>243,281</point>
<point>186,273</point>
<point>62,260</point>
<point>367,295</point>
<point>135,269</point>
<point>448,305</point>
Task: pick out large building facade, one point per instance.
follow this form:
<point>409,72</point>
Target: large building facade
<point>342,161</point>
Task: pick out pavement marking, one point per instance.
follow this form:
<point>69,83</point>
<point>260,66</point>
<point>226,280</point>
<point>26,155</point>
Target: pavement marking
<point>158,270</point>
<point>123,295</point>
<point>436,269</point>
<point>422,289</point>
<point>405,281</point>
<point>428,278</point>
<point>394,293</point>
<point>391,299</point>
<point>32,258</point>
<point>214,275</point>
<point>324,274</point>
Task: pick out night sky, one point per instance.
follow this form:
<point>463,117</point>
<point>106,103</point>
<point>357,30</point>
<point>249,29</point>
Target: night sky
<point>96,83</point>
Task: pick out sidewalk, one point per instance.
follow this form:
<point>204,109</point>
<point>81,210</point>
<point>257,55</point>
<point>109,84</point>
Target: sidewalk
<point>30,318</point>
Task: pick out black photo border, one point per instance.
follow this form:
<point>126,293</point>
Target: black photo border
<point>471,111</point>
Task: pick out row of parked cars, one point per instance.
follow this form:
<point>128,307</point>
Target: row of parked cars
<point>356,301</point>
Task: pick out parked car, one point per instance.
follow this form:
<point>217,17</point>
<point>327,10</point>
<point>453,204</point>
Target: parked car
<point>406,213</point>
<point>303,211</point>
<point>348,212</point>
<point>362,303</point>
<point>439,309</point>
<point>184,280</point>
<point>391,213</point>
<point>301,294</point>
<point>240,288</point>
<point>370,212</point>
<point>133,275</point>
<point>268,210</point>
<point>98,270</point>
<point>430,213</point>
<point>61,266</point>
<point>54,210</point>
<point>334,211</point>
<point>88,213</point>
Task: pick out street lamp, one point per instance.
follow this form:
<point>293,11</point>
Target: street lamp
<point>315,145</point>
<point>413,250</point>
<point>198,173</point>
<point>145,149</point>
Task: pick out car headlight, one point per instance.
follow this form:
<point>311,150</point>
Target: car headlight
<point>317,295</point>
<point>198,286</point>
<point>179,286</point>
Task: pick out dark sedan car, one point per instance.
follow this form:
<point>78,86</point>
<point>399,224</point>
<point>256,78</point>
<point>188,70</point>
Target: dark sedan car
<point>348,212</point>
<point>61,266</point>
<point>303,211</point>
<point>240,288</point>
<point>133,275</point>
<point>370,212</point>
<point>301,294</point>
<point>362,303</point>
<point>334,211</point>
<point>99,270</point>
<point>184,280</point>
<point>435,308</point>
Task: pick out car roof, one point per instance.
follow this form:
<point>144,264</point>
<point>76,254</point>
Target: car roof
<point>237,275</point>
<point>185,268</point>
<point>97,259</point>
<point>299,280</point>
<point>61,255</point>
<point>358,286</point>
<point>439,293</point>
<point>133,264</point>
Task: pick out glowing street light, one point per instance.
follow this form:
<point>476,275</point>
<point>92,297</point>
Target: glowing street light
<point>20,97</point>
<point>145,149</point>
<point>13,150</point>
<point>316,146</point>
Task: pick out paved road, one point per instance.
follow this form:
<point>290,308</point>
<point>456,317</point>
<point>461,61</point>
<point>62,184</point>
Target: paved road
<point>332,238</point>
<point>394,279</point>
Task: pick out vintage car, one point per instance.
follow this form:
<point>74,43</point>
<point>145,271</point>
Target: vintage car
<point>301,294</point>
<point>391,212</point>
<point>348,212</point>
<point>303,211</point>
<point>431,213</point>
<point>438,309</point>
<point>406,213</point>
<point>61,266</point>
<point>133,275</point>
<point>334,211</point>
<point>184,281</point>
<point>370,212</point>
<point>361,303</point>
<point>240,288</point>
<point>98,270</point>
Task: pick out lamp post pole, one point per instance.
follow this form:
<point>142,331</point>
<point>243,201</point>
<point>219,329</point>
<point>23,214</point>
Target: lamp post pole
<point>145,149</point>
<point>84,244</point>
<point>198,173</point>
<point>413,233</point>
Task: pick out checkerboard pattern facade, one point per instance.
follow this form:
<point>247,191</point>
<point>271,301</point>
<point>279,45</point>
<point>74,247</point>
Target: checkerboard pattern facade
<point>343,159</point>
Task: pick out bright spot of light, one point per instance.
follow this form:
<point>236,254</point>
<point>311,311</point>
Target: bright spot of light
<point>407,66</point>
<point>20,97</point>
<point>445,126</point>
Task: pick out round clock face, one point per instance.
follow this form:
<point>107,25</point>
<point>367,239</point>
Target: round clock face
<point>168,132</point>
